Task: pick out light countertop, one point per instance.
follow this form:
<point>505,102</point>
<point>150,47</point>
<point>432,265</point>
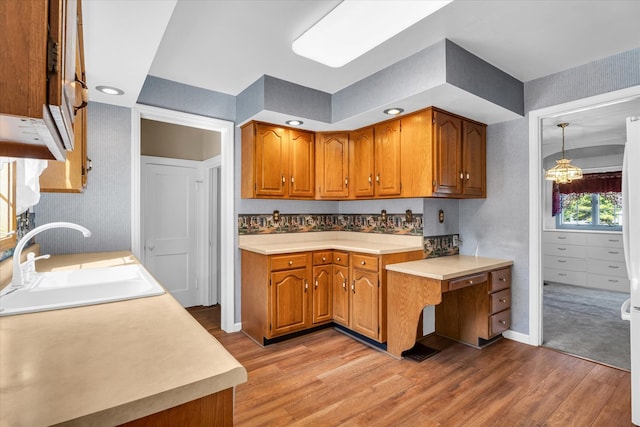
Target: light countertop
<point>109,363</point>
<point>370,243</point>
<point>448,267</point>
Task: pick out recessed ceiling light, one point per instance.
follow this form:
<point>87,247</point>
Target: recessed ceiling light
<point>294,122</point>
<point>110,90</point>
<point>354,27</point>
<point>393,111</point>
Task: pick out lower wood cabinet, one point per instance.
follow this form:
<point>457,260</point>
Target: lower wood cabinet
<point>475,308</point>
<point>287,293</point>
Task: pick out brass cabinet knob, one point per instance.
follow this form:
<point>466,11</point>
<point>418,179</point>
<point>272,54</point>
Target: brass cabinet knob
<point>290,262</point>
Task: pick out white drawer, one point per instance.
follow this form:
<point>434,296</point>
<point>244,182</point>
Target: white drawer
<point>556,249</point>
<point>607,240</point>
<point>564,276</point>
<point>562,263</point>
<point>564,238</point>
<point>607,268</point>
<point>607,254</point>
<point>610,283</point>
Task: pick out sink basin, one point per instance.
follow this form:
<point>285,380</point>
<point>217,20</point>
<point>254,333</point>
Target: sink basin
<point>74,288</point>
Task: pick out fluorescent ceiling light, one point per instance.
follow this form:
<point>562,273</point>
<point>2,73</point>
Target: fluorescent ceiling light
<point>357,26</point>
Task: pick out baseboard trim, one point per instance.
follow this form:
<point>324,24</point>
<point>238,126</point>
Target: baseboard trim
<point>518,336</point>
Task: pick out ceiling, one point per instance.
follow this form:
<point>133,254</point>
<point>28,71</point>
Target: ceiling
<point>227,45</point>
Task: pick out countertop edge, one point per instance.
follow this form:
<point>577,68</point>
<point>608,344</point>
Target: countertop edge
<point>409,268</point>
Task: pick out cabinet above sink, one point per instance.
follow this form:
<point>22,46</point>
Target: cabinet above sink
<point>41,85</point>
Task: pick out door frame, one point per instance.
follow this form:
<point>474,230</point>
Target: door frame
<point>536,181</point>
<point>227,223</point>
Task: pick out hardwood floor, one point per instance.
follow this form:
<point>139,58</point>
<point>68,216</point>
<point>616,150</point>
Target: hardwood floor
<point>327,378</point>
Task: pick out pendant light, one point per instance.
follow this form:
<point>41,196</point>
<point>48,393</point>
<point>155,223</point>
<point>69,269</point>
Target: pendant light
<point>564,172</point>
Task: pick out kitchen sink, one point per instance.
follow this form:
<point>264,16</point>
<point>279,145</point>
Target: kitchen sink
<point>73,288</point>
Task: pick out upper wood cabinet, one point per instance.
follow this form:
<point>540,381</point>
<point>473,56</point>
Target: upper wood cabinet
<point>459,156</point>
<point>70,176</point>
<point>447,153</point>
<point>428,153</point>
<point>332,165</point>
<point>362,163</point>
<point>277,162</point>
<point>38,78</point>
<point>387,158</point>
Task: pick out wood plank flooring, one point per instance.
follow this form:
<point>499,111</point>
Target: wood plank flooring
<point>328,379</point>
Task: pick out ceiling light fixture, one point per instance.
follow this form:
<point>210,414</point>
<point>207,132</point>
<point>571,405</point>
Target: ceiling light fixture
<point>393,111</point>
<point>294,122</point>
<point>354,27</point>
<point>564,172</point>
<point>110,90</point>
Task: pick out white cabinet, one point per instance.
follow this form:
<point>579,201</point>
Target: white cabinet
<point>594,260</point>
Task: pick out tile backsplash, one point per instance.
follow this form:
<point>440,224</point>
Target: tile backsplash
<point>436,246</point>
<point>364,223</point>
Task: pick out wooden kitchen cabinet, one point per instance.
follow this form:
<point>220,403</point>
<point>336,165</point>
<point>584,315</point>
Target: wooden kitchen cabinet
<point>365,296</point>
<point>287,293</point>
<point>277,162</point>
<point>387,158</point>
<point>38,78</point>
<point>322,295</point>
<point>475,308</point>
<point>362,163</point>
<point>345,167</point>
<point>332,165</point>
<point>459,156</point>
<point>341,288</point>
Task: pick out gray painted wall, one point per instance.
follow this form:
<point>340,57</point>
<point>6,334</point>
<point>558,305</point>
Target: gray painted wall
<point>105,206</point>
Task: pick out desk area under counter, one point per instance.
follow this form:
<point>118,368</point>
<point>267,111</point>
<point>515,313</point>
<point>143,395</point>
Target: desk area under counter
<point>471,294</point>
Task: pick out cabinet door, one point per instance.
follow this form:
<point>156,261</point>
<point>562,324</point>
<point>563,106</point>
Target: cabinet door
<point>474,159</point>
<point>322,293</point>
<point>417,154</point>
<point>301,164</point>
<point>341,295</point>
<point>447,139</point>
<point>289,301</point>
<point>361,167</point>
<point>332,153</point>
<point>271,161</point>
<point>365,303</point>
<point>387,158</point>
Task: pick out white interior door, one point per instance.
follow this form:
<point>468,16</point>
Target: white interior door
<point>170,227</point>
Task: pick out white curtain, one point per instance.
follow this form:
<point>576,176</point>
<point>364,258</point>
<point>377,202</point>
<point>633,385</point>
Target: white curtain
<point>27,181</point>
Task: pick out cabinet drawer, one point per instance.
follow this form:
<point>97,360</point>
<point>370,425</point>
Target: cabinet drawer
<point>562,263</point>
<point>564,238</point>
<point>565,276</point>
<point>607,268</point>
<point>607,240</point>
<point>471,280</point>
<point>500,301</point>
<point>365,262</point>
<point>603,253</point>
<point>612,283</point>
<point>324,257</point>
<point>288,261</point>
<point>558,249</point>
<point>499,322</point>
<point>341,258</point>
<point>500,279</point>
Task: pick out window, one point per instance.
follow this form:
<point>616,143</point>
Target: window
<point>593,211</point>
<point>7,205</point>
<point>591,203</point>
